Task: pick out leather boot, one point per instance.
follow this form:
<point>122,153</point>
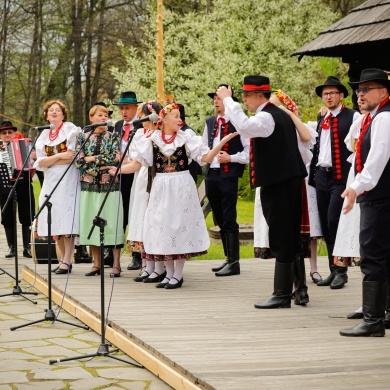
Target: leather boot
<point>327,281</point>
<point>374,303</point>
<point>26,234</point>
<point>9,233</point>
<point>136,262</point>
<point>387,309</point>
<point>301,296</point>
<point>233,261</point>
<point>224,244</point>
<point>108,257</point>
<point>283,281</point>
<point>340,278</point>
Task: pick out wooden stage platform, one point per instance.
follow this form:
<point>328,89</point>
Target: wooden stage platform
<point>208,335</point>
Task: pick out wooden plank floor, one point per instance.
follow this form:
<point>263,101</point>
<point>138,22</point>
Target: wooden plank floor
<point>210,332</point>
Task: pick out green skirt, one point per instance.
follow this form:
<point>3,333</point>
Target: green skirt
<point>90,203</point>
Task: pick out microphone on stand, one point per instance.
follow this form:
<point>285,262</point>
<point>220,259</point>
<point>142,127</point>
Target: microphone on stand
<point>108,123</point>
<point>46,127</point>
<point>152,118</point>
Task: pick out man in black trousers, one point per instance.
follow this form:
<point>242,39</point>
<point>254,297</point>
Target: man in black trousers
<point>221,180</point>
<point>277,167</point>
<point>329,169</point>
<point>127,104</point>
<point>371,189</point>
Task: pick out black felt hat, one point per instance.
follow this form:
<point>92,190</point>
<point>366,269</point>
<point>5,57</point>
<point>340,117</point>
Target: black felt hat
<point>212,94</point>
<point>256,83</point>
<point>7,125</point>
<point>372,74</point>
<point>128,97</point>
<point>332,81</point>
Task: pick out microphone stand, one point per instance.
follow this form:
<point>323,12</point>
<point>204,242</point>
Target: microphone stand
<point>13,195</point>
<point>50,315</point>
<point>103,349</point>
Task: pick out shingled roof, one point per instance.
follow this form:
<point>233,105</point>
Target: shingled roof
<point>365,30</point>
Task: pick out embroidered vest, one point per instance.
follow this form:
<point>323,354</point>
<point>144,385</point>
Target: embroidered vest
<point>233,146</point>
<point>340,165</point>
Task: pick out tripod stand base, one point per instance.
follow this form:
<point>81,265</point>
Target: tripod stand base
<point>3,271</point>
<point>50,316</point>
<point>18,291</point>
<point>103,350</point>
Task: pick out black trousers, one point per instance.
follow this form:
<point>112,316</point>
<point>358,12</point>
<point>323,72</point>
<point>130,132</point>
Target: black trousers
<point>374,239</point>
<point>126,182</point>
<point>330,204</point>
<point>25,205</point>
<point>282,208</point>
<point>222,194</point>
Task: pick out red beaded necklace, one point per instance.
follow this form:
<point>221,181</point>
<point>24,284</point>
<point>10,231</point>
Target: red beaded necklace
<point>170,139</point>
<point>53,134</point>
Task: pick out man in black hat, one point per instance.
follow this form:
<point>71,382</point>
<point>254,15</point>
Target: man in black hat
<point>25,198</point>
<point>127,104</point>
<point>329,169</point>
<point>277,167</point>
<point>371,189</point>
<point>221,180</point>
<point>194,168</point>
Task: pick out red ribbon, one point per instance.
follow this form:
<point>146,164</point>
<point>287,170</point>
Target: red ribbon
<point>251,87</point>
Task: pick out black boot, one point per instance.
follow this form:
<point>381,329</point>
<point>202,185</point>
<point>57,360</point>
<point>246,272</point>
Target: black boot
<point>26,234</point>
<point>233,261</point>
<point>224,244</point>
<point>340,278</point>
<point>301,296</point>
<point>136,262</point>
<point>108,257</point>
<point>328,281</point>
<point>81,254</point>
<point>283,281</point>
<point>374,304</point>
<point>387,310</point>
<point>9,233</point>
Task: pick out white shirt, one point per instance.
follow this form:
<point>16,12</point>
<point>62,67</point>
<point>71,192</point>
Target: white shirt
<point>240,157</point>
<point>259,125</point>
<point>325,155</point>
<point>123,142</point>
<point>378,155</point>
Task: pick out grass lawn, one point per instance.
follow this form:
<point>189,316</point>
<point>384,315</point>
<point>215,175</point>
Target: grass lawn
<point>245,216</point>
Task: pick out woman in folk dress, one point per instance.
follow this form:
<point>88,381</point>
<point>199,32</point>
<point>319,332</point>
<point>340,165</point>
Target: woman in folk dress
<point>55,151</point>
<point>174,227</point>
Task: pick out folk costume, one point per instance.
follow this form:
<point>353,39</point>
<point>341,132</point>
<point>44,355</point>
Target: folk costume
<point>372,187</point>
<point>94,186</point>
<point>25,201</point>
<point>329,170</point>
<point>221,180</point>
<point>65,199</point>
<point>280,177</point>
<point>174,226</point>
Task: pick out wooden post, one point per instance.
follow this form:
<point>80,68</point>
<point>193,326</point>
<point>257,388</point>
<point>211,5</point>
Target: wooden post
<point>160,54</point>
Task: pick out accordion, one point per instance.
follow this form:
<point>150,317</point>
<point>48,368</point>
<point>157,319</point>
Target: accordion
<point>18,150</point>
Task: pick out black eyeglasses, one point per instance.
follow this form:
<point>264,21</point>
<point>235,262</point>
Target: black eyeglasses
<point>366,90</point>
<point>330,94</point>
<point>5,132</point>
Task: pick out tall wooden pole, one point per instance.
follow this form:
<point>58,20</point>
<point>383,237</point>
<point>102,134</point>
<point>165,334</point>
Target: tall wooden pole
<point>160,54</point>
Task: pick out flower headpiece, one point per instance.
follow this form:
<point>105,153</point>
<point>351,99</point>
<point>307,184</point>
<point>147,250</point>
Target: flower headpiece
<point>166,110</point>
<point>287,101</point>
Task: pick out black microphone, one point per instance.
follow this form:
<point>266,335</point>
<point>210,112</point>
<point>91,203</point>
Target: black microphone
<point>152,118</point>
<point>47,127</point>
<point>108,123</point>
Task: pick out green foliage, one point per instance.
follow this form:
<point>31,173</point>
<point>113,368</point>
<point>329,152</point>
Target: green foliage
<point>223,44</point>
